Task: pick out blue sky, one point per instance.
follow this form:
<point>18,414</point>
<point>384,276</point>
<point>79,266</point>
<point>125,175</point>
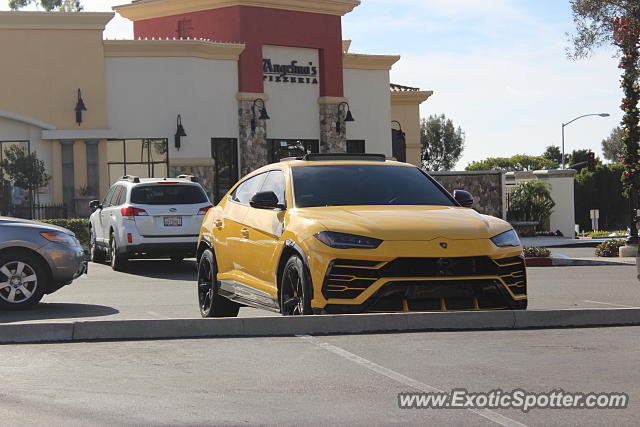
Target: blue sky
<point>498,68</point>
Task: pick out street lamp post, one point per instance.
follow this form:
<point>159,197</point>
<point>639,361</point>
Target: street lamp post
<point>571,121</point>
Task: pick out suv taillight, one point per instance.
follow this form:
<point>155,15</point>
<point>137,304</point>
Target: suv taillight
<point>204,210</point>
<point>129,212</point>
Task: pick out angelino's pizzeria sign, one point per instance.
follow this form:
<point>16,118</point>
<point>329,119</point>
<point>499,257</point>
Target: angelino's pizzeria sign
<point>290,73</point>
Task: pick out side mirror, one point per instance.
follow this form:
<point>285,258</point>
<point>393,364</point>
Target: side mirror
<point>94,205</point>
<point>265,200</point>
<point>463,197</point>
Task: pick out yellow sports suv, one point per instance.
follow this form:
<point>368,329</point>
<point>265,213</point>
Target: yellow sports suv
<point>342,233</point>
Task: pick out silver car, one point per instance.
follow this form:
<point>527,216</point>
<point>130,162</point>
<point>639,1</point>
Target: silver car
<point>35,259</point>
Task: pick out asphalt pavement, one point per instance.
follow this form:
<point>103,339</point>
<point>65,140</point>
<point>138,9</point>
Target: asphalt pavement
<point>160,289</point>
<point>340,380</point>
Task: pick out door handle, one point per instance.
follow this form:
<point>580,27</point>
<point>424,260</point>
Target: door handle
<point>244,232</point>
<point>218,223</point>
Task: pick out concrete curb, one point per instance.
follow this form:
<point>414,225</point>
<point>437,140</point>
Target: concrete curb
<point>578,262</point>
<point>313,325</point>
<point>573,262</point>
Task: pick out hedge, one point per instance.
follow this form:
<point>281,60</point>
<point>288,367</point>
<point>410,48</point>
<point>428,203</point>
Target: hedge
<point>78,226</point>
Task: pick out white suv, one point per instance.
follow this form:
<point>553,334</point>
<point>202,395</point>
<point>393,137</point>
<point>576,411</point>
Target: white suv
<point>148,218</point>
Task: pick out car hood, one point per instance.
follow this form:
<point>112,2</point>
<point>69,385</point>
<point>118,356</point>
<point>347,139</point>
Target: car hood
<point>27,224</point>
<point>417,223</point>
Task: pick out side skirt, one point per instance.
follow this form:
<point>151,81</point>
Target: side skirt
<point>246,295</point>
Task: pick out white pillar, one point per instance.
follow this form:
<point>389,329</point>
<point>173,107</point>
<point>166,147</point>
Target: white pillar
<point>561,185</point>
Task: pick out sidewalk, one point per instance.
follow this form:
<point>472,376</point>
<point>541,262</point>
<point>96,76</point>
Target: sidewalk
<point>560,242</point>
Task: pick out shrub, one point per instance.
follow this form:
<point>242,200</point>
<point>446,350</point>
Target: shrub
<point>78,226</point>
<point>596,234</point>
<point>609,248</point>
<point>531,201</point>
<point>536,252</point>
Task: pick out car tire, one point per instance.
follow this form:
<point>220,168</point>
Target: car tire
<point>97,255</point>
<point>520,305</point>
<point>211,303</point>
<point>15,297</point>
<point>295,289</point>
<point>118,262</point>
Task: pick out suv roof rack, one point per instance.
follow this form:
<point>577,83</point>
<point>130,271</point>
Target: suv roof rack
<point>130,178</point>
<point>319,157</point>
<point>191,178</point>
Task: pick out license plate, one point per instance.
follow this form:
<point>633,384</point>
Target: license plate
<point>173,221</point>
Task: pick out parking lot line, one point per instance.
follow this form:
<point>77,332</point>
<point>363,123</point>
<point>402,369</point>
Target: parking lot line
<point>608,303</point>
<point>403,379</point>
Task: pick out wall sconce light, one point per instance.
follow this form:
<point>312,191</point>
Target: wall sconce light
<point>399,142</point>
<point>347,118</point>
<point>80,107</point>
<point>179,132</point>
<point>263,115</point>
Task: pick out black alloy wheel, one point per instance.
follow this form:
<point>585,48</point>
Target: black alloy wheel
<point>295,289</point>
<point>211,303</point>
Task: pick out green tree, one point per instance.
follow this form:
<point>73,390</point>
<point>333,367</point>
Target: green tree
<point>602,190</point>
<point>519,162</point>
<point>24,169</point>
<point>616,22</point>
<point>531,201</point>
<point>48,5</point>
<point>581,156</point>
<point>613,147</point>
<point>553,153</point>
<point>442,143</point>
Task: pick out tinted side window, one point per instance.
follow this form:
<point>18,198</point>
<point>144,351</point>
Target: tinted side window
<point>275,182</point>
<point>121,196</point>
<point>107,198</point>
<point>247,189</point>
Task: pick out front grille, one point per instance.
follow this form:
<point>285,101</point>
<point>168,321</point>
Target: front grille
<point>436,295</point>
<point>347,279</point>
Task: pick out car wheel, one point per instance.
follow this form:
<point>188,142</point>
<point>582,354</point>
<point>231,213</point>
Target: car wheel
<point>295,289</point>
<point>118,262</point>
<point>97,255</point>
<point>211,303</point>
<point>520,305</point>
<point>23,279</point>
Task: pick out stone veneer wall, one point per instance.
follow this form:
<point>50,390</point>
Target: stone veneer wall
<point>330,140</point>
<point>253,147</point>
<point>487,187</point>
<point>205,175</point>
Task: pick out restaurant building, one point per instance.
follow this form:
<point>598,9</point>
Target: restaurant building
<point>213,88</point>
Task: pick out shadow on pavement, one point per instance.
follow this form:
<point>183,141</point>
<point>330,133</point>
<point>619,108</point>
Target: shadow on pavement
<point>164,269</point>
<point>59,311</point>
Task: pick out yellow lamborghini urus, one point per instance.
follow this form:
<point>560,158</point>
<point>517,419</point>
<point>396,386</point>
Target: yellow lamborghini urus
<point>341,233</point>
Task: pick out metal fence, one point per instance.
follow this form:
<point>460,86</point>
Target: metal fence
<point>38,212</point>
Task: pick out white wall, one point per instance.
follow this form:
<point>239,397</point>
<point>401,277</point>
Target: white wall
<point>145,96</point>
<point>293,107</point>
<point>370,101</point>
<point>12,130</point>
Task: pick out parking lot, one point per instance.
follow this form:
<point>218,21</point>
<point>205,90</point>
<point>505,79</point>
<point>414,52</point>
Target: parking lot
<point>161,289</point>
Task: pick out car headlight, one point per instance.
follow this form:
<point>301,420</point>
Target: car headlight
<point>347,241</point>
<point>508,238</point>
<point>60,237</point>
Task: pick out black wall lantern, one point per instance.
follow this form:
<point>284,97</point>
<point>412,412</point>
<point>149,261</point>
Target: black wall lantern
<point>398,142</point>
<point>263,115</point>
<point>80,107</point>
<point>179,132</point>
<point>348,117</point>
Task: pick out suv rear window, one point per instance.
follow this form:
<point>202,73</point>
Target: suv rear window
<point>352,185</point>
<point>168,194</point>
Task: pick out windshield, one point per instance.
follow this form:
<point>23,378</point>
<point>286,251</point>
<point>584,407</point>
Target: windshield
<point>168,194</point>
<point>361,185</point>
